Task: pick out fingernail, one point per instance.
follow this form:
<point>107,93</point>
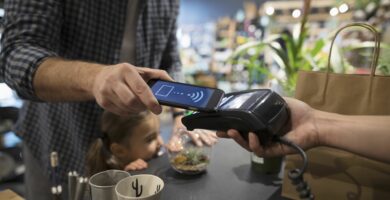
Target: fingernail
<point>157,109</point>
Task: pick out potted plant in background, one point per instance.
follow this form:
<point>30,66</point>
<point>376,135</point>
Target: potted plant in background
<point>288,51</point>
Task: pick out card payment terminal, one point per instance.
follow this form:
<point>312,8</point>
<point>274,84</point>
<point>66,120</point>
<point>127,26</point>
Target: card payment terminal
<point>261,111</point>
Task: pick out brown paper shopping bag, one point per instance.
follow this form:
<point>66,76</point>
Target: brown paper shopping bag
<point>335,174</point>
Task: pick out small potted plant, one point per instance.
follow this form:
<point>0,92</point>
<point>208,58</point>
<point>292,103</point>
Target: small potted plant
<point>185,157</point>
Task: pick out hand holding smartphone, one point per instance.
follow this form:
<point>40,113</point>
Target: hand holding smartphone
<point>186,96</point>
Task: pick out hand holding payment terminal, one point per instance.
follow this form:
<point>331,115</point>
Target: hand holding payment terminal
<point>261,111</point>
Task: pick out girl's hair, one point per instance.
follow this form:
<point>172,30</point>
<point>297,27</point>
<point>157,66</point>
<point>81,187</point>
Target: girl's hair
<point>115,129</point>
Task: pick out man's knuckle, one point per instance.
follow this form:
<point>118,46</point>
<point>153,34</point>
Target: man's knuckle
<point>105,103</point>
<point>164,72</point>
<point>140,88</point>
<point>104,91</point>
<point>130,102</point>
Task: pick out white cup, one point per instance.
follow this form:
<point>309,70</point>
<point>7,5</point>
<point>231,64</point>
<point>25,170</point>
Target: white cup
<point>103,184</point>
<point>140,187</point>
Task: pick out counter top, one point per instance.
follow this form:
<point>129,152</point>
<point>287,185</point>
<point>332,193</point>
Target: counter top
<point>229,176</point>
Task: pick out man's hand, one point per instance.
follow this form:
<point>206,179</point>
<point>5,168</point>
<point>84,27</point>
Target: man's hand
<point>123,89</point>
<point>138,164</point>
<point>119,88</point>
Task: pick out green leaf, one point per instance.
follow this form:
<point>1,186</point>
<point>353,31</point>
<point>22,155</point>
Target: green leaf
<point>279,55</point>
<point>319,44</point>
<point>290,50</point>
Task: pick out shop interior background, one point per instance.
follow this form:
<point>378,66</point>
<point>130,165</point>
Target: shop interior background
<point>229,44</point>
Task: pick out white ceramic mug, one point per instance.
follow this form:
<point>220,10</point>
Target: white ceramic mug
<point>103,184</point>
<point>140,187</point>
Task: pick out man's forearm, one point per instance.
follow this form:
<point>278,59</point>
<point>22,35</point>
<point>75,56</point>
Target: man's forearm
<point>61,80</point>
<point>365,135</point>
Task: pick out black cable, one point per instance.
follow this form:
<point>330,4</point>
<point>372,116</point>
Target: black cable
<point>296,175</point>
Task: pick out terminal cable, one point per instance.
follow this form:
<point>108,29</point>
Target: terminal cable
<point>296,175</point>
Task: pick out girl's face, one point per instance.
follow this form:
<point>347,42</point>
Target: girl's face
<point>145,140</point>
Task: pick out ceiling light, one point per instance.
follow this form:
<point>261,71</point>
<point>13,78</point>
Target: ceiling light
<point>270,10</point>
<point>343,8</point>
<point>333,12</point>
<point>296,13</point>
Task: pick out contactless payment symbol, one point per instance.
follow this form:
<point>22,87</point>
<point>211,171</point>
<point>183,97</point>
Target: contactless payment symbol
<point>164,90</point>
<point>169,90</point>
<point>196,96</point>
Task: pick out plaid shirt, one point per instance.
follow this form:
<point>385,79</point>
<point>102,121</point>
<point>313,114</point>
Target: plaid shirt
<point>88,30</point>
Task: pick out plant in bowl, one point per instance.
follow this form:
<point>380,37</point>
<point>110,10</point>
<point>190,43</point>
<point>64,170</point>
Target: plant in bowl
<point>190,161</point>
<point>184,156</point>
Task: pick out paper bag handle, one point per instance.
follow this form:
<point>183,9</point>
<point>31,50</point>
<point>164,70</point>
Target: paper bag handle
<point>374,61</point>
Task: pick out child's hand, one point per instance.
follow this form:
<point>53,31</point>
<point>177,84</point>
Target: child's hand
<point>202,136</point>
<point>198,136</point>
<point>136,165</point>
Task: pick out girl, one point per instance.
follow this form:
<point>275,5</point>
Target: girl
<point>126,143</point>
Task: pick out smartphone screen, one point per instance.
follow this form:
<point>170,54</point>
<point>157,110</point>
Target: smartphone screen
<point>186,96</point>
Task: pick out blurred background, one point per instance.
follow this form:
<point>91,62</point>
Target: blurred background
<point>236,45</point>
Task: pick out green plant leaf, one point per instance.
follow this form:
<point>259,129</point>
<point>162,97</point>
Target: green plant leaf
<point>318,45</point>
<point>291,51</point>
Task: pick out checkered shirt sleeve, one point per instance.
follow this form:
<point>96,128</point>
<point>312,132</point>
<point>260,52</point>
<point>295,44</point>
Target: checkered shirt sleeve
<point>32,32</point>
<point>87,30</point>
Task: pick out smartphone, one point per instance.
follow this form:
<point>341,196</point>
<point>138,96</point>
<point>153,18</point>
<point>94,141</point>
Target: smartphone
<point>186,96</point>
